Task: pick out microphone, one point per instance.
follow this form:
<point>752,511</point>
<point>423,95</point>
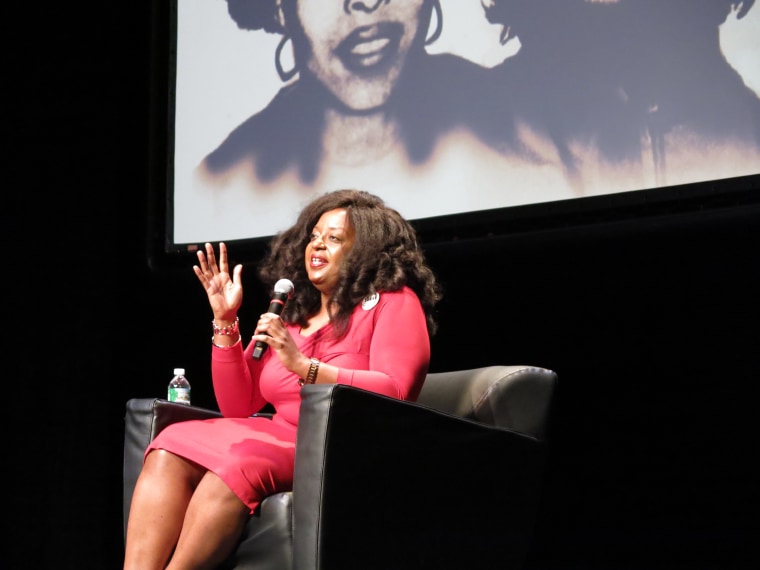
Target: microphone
<point>283,289</point>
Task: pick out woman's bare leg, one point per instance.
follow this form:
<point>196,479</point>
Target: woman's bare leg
<point>162,494</point>
<point>212,527</point>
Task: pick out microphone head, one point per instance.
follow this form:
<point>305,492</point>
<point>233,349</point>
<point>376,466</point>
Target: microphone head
<point>284,286</point>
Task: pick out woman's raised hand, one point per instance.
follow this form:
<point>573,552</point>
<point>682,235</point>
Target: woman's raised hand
<point>225,291</point>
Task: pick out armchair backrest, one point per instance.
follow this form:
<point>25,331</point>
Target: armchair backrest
<point>514,397</point>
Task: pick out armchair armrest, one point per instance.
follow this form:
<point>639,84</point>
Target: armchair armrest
<point>266,542</point>
<point>144,419</point>
<point>383,483</point>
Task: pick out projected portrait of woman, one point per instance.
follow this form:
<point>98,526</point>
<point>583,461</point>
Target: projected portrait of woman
<point>364,103</point>
<point>632,93</point>
<point>450,106</point>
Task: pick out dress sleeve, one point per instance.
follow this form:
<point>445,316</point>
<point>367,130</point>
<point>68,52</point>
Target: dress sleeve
<point>235,376</point>
<point>399,349</point>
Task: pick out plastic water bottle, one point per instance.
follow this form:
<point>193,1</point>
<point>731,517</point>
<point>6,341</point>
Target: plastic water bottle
<point>179,388</point>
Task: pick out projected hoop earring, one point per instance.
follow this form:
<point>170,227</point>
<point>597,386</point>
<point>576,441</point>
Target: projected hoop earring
<point>438,15</point>
<point>284,75</point>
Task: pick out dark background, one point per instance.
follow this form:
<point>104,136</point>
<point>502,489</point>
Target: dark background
<point>649,317</point>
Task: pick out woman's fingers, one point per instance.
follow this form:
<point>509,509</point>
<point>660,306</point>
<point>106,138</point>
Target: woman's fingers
<point>202,265</point>
<point>201,270</point>
<point>237,275</point>
<point>223,257</point>
<point>207,261</point>
<point>224,293</point>
<point>211,256</point>
<point>266,324</point>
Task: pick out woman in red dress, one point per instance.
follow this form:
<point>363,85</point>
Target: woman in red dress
<point>360,314</point>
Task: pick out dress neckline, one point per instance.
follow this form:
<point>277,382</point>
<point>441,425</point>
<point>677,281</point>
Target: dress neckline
<point>316,332</point>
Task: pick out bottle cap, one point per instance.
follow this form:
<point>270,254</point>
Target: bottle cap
<point>179,371</point>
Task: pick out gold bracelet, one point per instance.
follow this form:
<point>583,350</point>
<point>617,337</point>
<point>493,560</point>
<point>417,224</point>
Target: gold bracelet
<point>229,330</point>
<point>311,376</point>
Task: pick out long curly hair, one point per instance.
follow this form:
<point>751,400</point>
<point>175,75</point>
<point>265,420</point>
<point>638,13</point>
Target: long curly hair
<point>385,256</point>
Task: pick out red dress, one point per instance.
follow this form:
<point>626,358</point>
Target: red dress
<point>386,350</point>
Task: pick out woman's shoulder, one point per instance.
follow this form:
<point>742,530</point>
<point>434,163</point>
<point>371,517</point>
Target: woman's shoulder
<point>389,307</point>
<point>397,297</point>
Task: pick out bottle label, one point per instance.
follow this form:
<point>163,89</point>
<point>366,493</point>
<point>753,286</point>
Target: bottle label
<point>179,395</point>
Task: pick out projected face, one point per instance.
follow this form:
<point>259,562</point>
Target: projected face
<point>357,48</point>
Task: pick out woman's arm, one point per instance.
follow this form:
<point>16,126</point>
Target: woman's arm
<point>235,378</point>
<point>398,348</point>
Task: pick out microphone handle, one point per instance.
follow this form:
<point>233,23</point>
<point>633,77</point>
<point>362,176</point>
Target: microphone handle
<point>276,305</point>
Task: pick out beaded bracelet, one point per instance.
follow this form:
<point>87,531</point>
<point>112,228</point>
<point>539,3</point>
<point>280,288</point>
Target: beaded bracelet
<point>311,376</point>
<point>229,330</point>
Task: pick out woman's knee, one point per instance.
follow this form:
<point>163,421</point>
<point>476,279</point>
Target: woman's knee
<point>214,489</point>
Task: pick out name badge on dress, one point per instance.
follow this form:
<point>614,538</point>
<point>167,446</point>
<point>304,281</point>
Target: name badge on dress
<point>370,301</point>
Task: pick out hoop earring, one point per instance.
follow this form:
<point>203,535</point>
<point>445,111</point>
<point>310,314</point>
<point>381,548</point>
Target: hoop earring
<point>438,13</point>
<point>284,75</point>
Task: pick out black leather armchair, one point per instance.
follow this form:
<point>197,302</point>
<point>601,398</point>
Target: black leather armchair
<point>451,481</point>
